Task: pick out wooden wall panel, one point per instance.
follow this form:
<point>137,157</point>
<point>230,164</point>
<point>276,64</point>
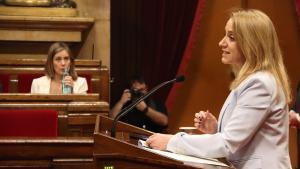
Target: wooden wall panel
<point>93,44</point>
<point>207,79</point>
<point>97,43</point>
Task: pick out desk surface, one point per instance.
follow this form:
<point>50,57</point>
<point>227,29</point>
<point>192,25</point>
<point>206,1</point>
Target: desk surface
<point>35,148</point>
<point>48,97</point>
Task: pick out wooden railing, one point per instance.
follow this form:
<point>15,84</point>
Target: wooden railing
<point>77,112</point>
<point>97,152</point>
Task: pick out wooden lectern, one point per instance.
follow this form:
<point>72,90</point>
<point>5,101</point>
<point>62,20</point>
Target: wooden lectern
<point>98,152</point>
<point>123,152</point>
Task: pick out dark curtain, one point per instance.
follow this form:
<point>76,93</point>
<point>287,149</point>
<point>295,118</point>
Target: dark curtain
<point>297,4</point>
<point>148,37</point>
<point>187,53</point>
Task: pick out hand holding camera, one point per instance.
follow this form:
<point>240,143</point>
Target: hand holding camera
<point>126,96</point>
<point>135,94</point>
<point>142,106</point>
<point>130,95</point>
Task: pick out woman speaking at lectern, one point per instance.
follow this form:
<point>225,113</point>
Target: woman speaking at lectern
<point>253,126</point>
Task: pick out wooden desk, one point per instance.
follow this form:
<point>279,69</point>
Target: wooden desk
<point>97,152</point>
<point>123,152</point>
<point>60,152</point>
<point>47,97</point>
<point>77,112</point>
<point>36,148</point>
<point>65,104</point>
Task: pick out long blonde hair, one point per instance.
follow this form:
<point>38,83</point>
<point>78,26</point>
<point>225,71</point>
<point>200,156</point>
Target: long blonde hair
<point>258,41</point>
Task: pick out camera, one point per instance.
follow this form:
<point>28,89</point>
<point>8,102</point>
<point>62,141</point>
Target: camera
<point>135,94</point>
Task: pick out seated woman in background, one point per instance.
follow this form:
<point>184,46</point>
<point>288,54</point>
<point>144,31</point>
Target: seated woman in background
<point>59,72</point>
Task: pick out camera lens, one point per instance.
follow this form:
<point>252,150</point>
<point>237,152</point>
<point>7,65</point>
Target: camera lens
<point>135,94</point>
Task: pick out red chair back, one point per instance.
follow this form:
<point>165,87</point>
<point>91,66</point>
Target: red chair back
<point>4,82</point>
<point>24,82</point>
<point>28,123</point>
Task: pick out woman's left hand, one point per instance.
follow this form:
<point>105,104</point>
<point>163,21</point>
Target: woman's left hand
<point>68,81</point>
<point>294,119</point>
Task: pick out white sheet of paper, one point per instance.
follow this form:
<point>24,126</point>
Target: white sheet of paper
<point>189,160</point>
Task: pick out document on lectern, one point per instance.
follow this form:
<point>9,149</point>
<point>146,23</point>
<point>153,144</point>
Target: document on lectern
<point>188,160</point>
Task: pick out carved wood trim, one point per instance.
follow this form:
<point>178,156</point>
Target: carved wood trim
<point>45,23</point>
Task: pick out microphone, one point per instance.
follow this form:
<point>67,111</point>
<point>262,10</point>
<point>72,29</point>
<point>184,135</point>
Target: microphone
<point>143,97</point>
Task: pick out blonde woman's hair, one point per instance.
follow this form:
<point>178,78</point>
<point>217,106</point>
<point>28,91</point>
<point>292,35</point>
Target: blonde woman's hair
<point>258,41</point>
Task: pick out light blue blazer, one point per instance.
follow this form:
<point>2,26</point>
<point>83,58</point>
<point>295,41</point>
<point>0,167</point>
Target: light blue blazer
<point>41,85</point>
<point>253,128</point>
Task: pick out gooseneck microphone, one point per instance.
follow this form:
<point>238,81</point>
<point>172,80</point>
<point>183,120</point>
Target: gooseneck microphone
<point>125,110</point>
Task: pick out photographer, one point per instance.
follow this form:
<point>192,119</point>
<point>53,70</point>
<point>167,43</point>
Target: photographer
<point>149,114</point>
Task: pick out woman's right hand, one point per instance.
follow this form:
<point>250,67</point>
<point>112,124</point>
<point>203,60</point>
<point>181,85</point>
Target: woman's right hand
<point>205,122</point>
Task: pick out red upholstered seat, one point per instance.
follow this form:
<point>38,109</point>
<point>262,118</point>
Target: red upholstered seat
<point>24,82</point>
<point>4,83</point>
<point>28,123</point>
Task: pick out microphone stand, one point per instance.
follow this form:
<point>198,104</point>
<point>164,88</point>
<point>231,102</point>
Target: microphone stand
<point>132,105</point>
